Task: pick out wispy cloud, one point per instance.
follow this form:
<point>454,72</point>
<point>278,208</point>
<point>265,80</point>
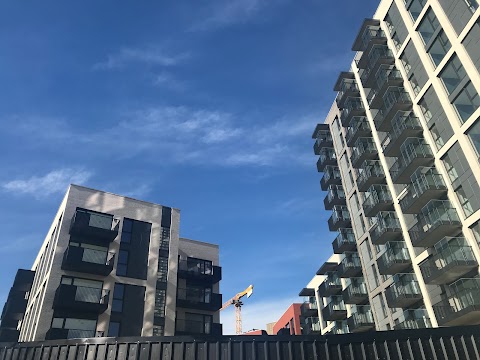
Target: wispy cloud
<point>169,81</point>
<point>223,13</point>
<point>195,136</point>
<point>150,55</point>
<point>55,181</point>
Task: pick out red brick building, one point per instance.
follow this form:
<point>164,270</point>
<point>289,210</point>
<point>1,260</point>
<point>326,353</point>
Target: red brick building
<point>289,320</point>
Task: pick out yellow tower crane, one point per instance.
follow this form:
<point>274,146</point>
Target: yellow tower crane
<point>238,307</point>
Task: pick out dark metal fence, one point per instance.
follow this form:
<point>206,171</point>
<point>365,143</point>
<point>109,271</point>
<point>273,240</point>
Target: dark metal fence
<point>453,343</point>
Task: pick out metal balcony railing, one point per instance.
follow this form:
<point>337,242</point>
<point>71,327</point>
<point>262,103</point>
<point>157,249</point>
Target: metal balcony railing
<point>427,184</point>
<point>453,259</point>
<point>437,220</point>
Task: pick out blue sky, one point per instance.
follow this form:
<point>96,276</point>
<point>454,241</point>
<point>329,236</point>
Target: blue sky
<point>207,106</point>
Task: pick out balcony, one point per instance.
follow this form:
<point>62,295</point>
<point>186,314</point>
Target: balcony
<point>57,334</point>
<point>370,63</point>
<point>200,271</point>
<point>385,78</point>
<point>346,87</point>
<point>369,34</point>
<point>379,199</point>
<point>353,108</point>
<point>415,152</point>
<point>437,220</point>
<point>453,259</point>
<point>386,228</point>
<point>414,319</point>
<point>404,125</point>
<point>462,307</point>
<point>355,293</point>
<point>334,310</point>
<point>198,298</point>
<point>404,292</point>
<point>9,334</point>
<point>395,259</point>
<point>331,176</point>
<point>81,299</point>
<point>361,321</point>
<point>363,150</point>
<point>330,286</point>
<point>395,99</point>
<point>91,261</point>
<point>327,158</point>
<point>427,184</point>
<point>309,308</point>
<point>335,196</point>
<point>345,241</point>
<point>311,325</point>
<point>350,266</point>
<point>340,218</point>
<point>339,328</point>
<point>195,327</point>
<point>14,308</point>
<point>323,139</point>
<point>371,172</point>
<point>358,128</point>
<point>94,226</point>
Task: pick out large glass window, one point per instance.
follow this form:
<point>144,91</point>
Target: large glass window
<point>466,102</point>
<point>127,231</point>
<point>474,136</point>
<point>415,8</point>
<point>118,293</point>
<point>122,263</point>
<point>428,26</point>
<point>452,74</point>
<point>114,329</point>
<point>439,48</point>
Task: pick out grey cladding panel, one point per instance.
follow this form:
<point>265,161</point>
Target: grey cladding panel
<point>439,119</point>
<point>417,68</point>
<point>472,44</point>
<point>398,23</point>
<point>457,12</point>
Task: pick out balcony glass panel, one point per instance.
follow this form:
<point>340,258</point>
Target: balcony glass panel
<point>414,152</point>
<point>364,149</point>
<point>339,328</point>
<point>377,194</point>
<point>340,213</point>
<point>414,319</point>
<point>404,291</point>
<point>424,180</point>
<point>344,241</point>
<point>370,34</point>
<point>356,292</point>
<point>404,124</point>
<point>368,172</point>
<point>352,104</point>
<point>311,325</point>
<point>361,126</point>
<point>395,98</point>
<point>347,86</point>
<point>395,259</point>
<point>386,227</point>
<point>335,192</point>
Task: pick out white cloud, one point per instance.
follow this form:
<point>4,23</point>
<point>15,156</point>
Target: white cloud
<point>256,314</point>
<point>151,55</point>
<point>168,81</point>
<point>55,181</point>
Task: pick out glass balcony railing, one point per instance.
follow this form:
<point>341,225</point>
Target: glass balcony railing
<point>345,241</point>
<point>361,321</point>
<point>414,319</point>
<point>323,139</point>
<point>356,292</point>
<point>353,107</point>
<point>348,88</point>
<point>427,184</point>
<point>462,306</point>
<point>404,125</point>
<point>350,266</point>
<point>395,99</point>
<point>311,325</point>
<point>395,259</point>
<point>437,220</point>
<point>331,176</point>
<point>309,307</point>
<point>371,34</point>
<point>340,218</point>
<point>327,157</point>
<point>404,291</point>
<point>415,152</point>
<point>335,196</point>
<point>453,259</point>
<point>379,198</point>
<point>340,328</point>
<point>364,149</point>
<point>359,128</point>
<point>335,309</point>
<point>386,228</point>
<point>385,77</point>
<point>371,172</point>
<point>331,285</point>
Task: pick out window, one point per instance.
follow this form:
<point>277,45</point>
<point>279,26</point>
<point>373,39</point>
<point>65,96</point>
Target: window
<point>158,330</point>
<point>464,201</point>
<point>160,301</point>
<point>476,231</point>
<point>127,231</point>
<point>122,263</point>
<point>452,74</point>
<point>162,270</point>
<point>472,5</point>
<point>474,135</point>
<point>117,302</point>
<point>466,102</point>
<point>114,329</point>
<point>451,171</point>
<point>428,26</point>
<point>415,8</point>
<point>439,48</point>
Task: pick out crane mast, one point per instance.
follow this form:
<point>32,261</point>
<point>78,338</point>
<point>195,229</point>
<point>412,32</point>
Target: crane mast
<point>235,301</point>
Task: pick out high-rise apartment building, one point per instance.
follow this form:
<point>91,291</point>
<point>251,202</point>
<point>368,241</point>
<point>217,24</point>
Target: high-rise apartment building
<point>114,266</point>
<point>399,151</point>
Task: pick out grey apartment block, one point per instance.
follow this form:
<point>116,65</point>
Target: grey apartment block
<point>114,266</point>
<point>399,151</point>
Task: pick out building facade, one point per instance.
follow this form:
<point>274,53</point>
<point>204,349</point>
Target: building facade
<point>399,151</point>
<point>115,266</point>
<point>290,323</point>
